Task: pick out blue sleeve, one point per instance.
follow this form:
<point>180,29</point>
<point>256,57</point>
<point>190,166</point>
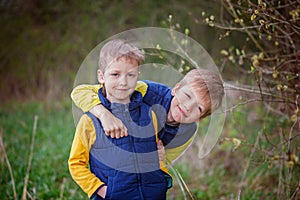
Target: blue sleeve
<point>158,94</point>
<point>159,97</point>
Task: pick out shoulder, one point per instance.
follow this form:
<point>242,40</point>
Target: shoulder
<point>141,87</point>
<point>155,88</point>
<point>145,86</point>
<point>85,120</point>
<point>153,84</point>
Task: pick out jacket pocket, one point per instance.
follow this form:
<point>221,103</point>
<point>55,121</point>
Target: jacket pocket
<point>109,187</point>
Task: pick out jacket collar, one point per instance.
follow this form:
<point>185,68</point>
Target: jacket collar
<point>135,101</point>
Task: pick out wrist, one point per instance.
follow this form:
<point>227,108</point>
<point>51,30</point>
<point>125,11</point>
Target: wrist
<point>99,111</point>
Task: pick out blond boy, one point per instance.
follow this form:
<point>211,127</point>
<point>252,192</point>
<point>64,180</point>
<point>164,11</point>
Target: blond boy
<point>128,167</point>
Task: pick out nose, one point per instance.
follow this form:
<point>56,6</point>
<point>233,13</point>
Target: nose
<point>123,80</point>
<point>189,105</point>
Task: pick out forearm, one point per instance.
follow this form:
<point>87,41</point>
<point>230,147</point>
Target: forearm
<point>86,96</point>
<point>84,178</point>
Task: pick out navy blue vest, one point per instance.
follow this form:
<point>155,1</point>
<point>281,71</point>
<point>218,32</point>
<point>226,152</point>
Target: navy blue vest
<point>129,166</point>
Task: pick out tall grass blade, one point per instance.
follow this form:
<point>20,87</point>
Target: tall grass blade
<point>2,148</point>
<point>184,188</point>
<point>30,158</point>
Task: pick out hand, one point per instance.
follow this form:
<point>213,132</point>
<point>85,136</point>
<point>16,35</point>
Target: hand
<point>112,126</point>
<point>102,191</point>
<point>161,150</point>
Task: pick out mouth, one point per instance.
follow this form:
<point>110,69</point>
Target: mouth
<point>181,111</point>
<point>123,89</point>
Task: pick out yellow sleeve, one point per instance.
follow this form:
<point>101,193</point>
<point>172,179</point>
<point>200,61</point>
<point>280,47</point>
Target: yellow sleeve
<point>86,97</point>
<point>141,87</point>
<point>85,136</point>
<point>172,154</point>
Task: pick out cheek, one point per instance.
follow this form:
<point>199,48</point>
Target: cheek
<point>194,116</point>
<point>173,106</point>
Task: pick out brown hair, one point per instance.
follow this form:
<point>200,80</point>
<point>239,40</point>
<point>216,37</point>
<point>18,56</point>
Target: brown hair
<point>115,49</point>
<point>207,85</point>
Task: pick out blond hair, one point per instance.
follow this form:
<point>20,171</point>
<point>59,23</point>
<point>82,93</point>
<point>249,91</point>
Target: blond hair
<point>207,85</point>
<point>115,49</point>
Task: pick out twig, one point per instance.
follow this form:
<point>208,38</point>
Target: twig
<point>295,194</point>
<point>280,186</point>
<point>2,148</point>
<point>181,183</point>
<point>62,188</point>
<point>229,86</point>
<point>30,158</point>
<point>240,104</point>
<point>235,15</point>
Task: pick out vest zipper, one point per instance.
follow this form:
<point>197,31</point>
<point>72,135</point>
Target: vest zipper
<point>135,158</point>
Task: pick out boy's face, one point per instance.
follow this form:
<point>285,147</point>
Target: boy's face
<point>186,106</point>
<point>120,79</point>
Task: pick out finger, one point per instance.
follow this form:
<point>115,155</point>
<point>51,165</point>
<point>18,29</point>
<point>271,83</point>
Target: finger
<point>117,132</point>
<point>112,134</point>
<point>159,144</point>
<point>107,132</point>
<point>122,134</point>
<point>125,131</point>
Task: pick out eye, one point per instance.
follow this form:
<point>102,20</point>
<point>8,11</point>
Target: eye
<point>131,75</point>
<point>186,94</point>
<point>114,74</point>
<point>200,109</point>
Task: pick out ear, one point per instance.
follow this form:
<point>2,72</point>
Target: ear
<point>100,76</point>
<point>175,88</point>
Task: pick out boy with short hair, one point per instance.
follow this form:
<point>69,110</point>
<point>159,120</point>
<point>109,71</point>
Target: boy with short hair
<point>125,168</point>
<point>195,97</point>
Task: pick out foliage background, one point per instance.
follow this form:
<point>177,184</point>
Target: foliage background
<point>44,42</point>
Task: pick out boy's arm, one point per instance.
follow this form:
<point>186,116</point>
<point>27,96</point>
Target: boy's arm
<point>79,157</point>
<point>86,98</point>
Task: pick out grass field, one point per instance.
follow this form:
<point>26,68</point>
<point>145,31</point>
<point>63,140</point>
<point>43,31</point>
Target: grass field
<point>246,173</point>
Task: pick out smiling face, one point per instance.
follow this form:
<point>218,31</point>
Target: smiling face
<point>120,79</point>
<point>186,105</point>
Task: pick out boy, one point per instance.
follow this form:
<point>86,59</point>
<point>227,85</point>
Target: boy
<point>125,168</point>
<point>192,99</point>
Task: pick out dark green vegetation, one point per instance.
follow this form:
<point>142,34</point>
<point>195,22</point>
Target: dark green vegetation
<point>44,42</point>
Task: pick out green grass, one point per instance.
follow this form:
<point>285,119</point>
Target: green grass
<point>49,176</point>
<point>223,174</point>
